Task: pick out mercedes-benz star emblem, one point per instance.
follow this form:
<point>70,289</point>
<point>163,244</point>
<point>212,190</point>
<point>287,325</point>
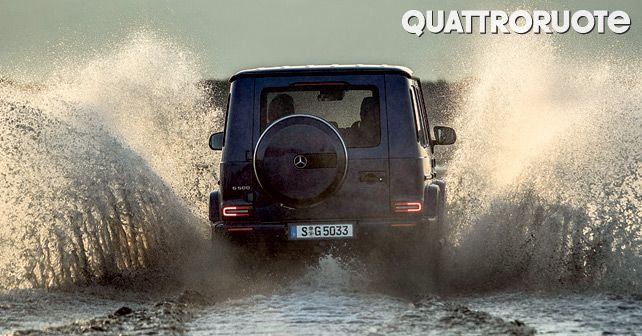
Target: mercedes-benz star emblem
<point>300,161</point>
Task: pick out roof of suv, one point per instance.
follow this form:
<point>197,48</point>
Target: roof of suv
<point>322,70</point>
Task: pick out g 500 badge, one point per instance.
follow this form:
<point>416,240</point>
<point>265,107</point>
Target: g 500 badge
<point>241,188</point>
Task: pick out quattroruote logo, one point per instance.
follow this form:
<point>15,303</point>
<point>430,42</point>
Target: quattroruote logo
<point>300,161</point>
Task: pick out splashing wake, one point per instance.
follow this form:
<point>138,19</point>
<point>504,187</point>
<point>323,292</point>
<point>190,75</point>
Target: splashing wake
<point>546,180</point>
<point>104,169</point>
<point>96,163</point>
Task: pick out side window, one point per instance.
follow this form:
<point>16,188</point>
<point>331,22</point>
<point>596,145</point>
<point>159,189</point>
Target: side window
<point>419,122</point>
<point>225,117</point>
<point>422,112</point>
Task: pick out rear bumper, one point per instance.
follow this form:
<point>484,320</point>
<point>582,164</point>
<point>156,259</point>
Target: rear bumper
<point>364,229</point>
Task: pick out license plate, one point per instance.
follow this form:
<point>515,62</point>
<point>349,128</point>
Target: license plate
<point>321,231</point>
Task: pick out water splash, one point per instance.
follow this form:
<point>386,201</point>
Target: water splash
<point>103,165</point>
<point>545,183</point>
<point>104,169</point>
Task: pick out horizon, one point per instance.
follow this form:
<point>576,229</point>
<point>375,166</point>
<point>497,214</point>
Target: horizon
<point>228,36</point>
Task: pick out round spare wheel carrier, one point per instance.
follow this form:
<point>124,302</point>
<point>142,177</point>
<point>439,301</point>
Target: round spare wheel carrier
<point>300,160</point>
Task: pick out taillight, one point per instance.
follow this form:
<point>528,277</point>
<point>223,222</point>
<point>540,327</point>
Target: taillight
<point>320,84</point>
<point>403,225</point>
<point>413,206</point>
<point>240,229</point>
<point>237,211</point>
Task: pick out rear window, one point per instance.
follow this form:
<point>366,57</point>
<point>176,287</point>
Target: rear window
<point>353,110</point>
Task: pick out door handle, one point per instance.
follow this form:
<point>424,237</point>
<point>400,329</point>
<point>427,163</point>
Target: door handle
<point>372,177</point>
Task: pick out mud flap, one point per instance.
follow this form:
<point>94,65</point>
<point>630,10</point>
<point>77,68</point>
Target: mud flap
<point>441,210</point>
<point>431,201</point>
<point>214,207</point>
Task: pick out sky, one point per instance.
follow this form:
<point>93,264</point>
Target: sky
<point>230,35</point>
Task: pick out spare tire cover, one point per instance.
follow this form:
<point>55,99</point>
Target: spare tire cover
<point>300,160</point>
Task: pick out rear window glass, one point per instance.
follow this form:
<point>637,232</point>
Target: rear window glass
<point>353,110</point>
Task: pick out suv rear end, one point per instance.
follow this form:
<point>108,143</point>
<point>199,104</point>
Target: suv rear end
<point>325,153</point>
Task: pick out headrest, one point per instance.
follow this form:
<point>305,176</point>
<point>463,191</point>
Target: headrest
<point>280,106</point>
<point>369,107</point>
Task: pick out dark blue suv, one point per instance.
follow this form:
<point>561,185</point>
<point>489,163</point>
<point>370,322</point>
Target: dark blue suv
<point>326,153</point>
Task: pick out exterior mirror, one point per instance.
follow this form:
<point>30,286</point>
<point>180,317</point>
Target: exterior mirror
<point>444,135</point>
<point>216,140</point>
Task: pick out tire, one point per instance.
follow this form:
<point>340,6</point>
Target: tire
<point>435,254</point>
<point>418,259</point>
